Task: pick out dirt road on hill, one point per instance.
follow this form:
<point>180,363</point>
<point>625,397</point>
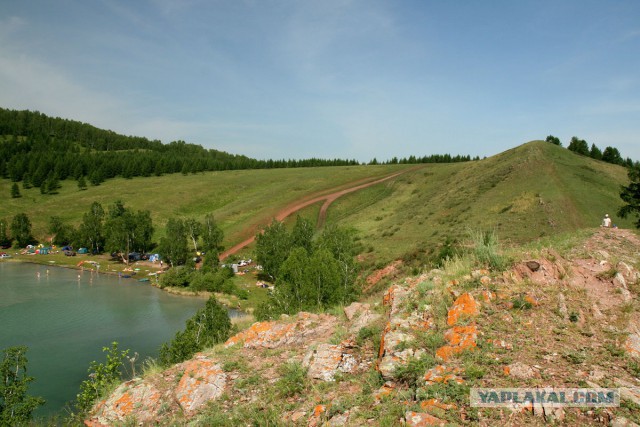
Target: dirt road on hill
<point>322,216</point>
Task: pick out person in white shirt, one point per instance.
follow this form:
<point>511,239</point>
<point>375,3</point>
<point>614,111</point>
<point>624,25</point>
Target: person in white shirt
<point>606,222</point>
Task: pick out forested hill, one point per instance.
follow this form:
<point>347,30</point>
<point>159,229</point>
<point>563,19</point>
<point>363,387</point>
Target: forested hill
<point>35,148</point>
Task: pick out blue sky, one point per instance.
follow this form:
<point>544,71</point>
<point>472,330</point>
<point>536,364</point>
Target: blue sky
<point>331,78</point>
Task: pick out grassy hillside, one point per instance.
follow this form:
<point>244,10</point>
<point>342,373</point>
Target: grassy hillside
<point>241,201</point>
<point>533,190</point>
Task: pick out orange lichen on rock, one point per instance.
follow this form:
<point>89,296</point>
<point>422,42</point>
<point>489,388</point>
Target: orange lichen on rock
<point>632,345</point>
<point>532,300</point>
<point>203,381</point>
<point>124,405</point>
<point>319,410</point>
<point>464,305</point>
<point>315,418</point>
<point>422,419</point>
<point>460,338</point>
<point>134,397</point>
<point>442,374</point>
<point>384,391</point>
<point>387,298</point>
<point>488,296</point>
<point>296,331</point>
<point>250,333</point>
<point>382,349</point>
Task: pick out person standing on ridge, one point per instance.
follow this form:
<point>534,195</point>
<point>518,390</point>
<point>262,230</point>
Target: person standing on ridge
<point>606,221</point>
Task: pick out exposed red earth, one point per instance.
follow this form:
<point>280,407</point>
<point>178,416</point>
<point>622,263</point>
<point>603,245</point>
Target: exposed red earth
<point>301,204</point>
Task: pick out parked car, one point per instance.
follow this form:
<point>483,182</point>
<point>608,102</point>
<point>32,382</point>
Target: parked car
<point>134,256</point>
<point>69,253</point>
<point>4,256</point>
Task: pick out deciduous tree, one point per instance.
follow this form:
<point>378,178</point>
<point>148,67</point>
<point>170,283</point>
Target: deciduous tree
<point>4,236</point>
<point>91,231</point>
<point>341,243</point>
<point>212,237</point>
<point>210,325</point>
<point>101,377</point>
<point>173,246</point>
<point>302,234</point>
<point>16,406</point>
<point>119,230</point>
<point>21,230</point>
<point>62,233</point>
<point>272,248</point>
<point>194,229</point>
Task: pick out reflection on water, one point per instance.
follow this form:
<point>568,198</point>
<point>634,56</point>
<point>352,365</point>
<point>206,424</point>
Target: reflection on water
<point>66,317</point>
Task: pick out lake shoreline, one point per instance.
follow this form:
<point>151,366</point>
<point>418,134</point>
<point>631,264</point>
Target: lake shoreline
<point>222,299</point>
<point>65,321</point>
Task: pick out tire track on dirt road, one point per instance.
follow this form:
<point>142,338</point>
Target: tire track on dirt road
<point>328,198</point>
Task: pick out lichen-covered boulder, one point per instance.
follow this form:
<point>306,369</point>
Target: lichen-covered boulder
<point>327,360</point>
<point>277,334</point>
<point>459,338</point>
<point>135,398</point>
<point>203,381</point>
<point>464,306</point>
<point>422,419</point>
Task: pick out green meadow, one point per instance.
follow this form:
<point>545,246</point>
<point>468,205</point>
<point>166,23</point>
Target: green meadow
<point>242,201</point>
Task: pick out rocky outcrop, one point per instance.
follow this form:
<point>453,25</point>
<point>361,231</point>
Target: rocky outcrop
<point>327,360</point>
<point>203,381</point>
<point>549,321</point>
<point>400,330</point>
<point>278,334</point>
<point>197,382</point>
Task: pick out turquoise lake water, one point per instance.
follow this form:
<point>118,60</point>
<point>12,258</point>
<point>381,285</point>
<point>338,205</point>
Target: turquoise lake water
<point>66,317</point>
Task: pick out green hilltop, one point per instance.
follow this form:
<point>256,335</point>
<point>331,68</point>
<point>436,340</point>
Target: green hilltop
<point>531,191</point>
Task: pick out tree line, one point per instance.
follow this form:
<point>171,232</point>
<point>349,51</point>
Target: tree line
<point>580,146</point>
<point>40,151</point>
<point>433,158</point>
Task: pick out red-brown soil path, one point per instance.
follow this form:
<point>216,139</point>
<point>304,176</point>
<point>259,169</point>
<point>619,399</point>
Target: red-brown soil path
<point>301,204</point>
